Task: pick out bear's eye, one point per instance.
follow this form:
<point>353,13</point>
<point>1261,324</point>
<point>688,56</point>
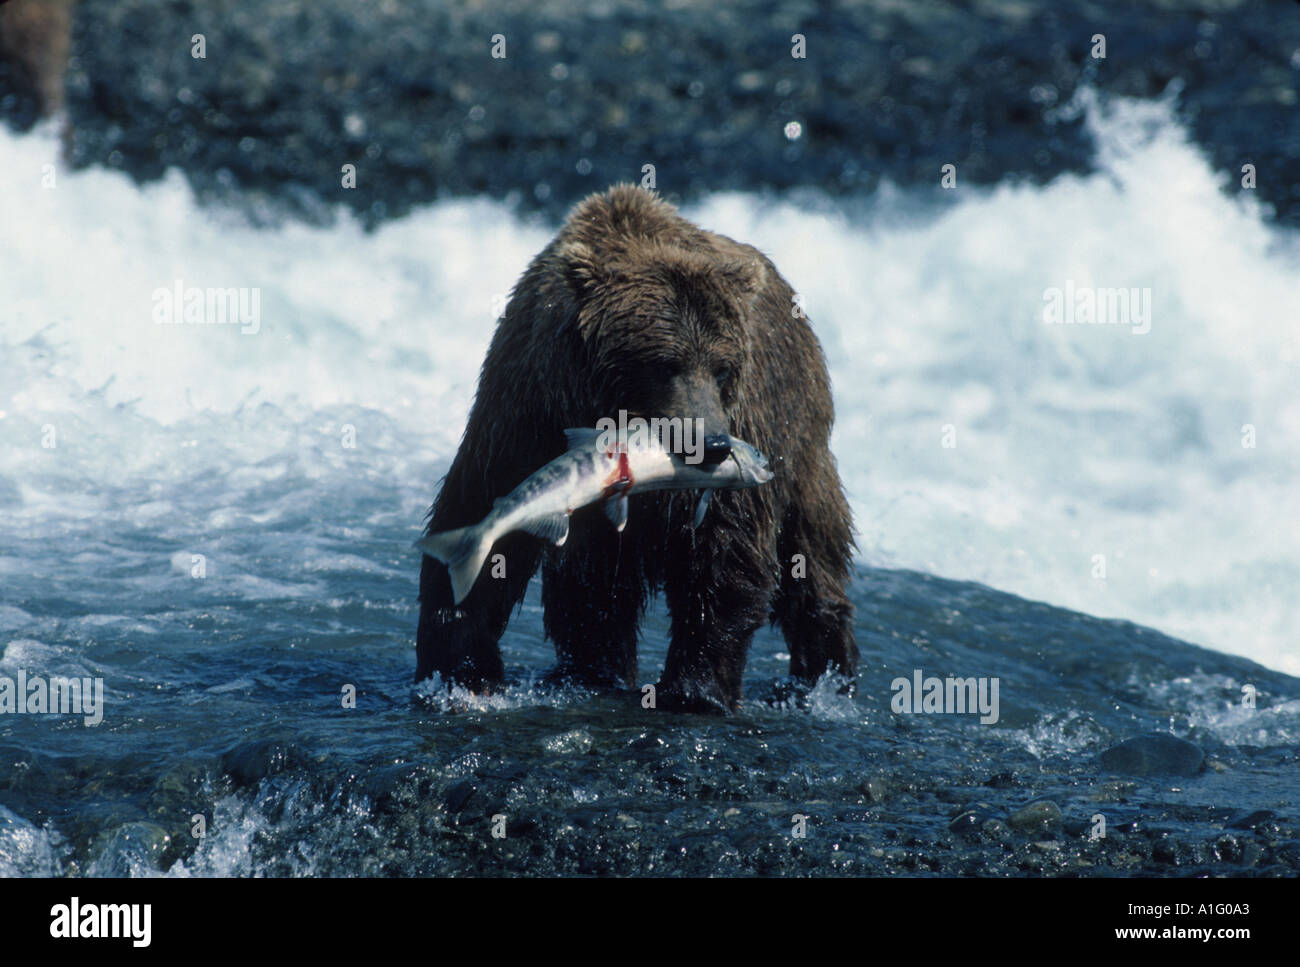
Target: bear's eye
<point>724,374</point>
<point>659,370</point>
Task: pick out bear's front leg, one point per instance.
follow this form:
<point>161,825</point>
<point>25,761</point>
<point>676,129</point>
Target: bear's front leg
<point>717,601</point>
<point>812,606</point>
<point>461,643</point>
<point>593,594</point>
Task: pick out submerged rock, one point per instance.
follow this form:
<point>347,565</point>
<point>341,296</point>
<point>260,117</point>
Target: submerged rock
<point>1035,817</point>
<point>1154,754</point>
<point>250,762</point>
<point>1253,819</point>
<point>132,849</point>
<point>971,819</point>
<point>458,796</point>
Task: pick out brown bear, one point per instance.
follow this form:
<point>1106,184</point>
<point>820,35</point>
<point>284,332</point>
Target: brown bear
<point>631,307</point>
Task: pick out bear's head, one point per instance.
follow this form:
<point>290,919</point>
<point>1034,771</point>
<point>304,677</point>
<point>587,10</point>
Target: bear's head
<point>665,325</point>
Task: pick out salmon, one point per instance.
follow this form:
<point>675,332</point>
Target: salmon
<point>592,470</point>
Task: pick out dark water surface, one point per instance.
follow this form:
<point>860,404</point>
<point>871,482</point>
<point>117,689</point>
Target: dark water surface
<point>252,735</point>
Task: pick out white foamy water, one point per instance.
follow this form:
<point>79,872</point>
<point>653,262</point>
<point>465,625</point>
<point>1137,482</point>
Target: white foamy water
<point>1071,441</point>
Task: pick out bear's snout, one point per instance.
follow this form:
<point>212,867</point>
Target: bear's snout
<point>716,449</point>
<point>695,400</point>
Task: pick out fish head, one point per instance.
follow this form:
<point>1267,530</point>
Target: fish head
<point>751,465</point>
<point>744,466</point>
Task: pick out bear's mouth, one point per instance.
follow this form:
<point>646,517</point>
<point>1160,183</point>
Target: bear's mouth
<point>717,447</point>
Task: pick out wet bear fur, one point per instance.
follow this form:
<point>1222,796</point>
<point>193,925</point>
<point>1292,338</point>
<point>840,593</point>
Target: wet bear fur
<point>631,307</point>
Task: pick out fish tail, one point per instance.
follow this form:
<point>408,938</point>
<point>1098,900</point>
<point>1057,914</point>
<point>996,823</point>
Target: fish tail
<point>463,551</point>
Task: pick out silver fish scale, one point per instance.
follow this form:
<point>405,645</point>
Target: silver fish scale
<point>564,474</point>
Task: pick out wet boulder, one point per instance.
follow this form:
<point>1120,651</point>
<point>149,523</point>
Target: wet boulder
<point>1154,754</point>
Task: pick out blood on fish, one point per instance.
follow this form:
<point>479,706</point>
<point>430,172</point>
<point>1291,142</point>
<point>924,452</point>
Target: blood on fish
<point>620,480</point>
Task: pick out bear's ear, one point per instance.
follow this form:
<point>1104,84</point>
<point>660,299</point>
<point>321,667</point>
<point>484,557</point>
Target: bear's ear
<point>744,275</point>
<point>582,269</point>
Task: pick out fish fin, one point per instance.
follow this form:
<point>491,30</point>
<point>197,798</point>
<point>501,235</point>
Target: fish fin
<point>701,507</point>
<point>553,527</point>
<point>581,437</point>
<point>463,551</point>
<point>616,511</point>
